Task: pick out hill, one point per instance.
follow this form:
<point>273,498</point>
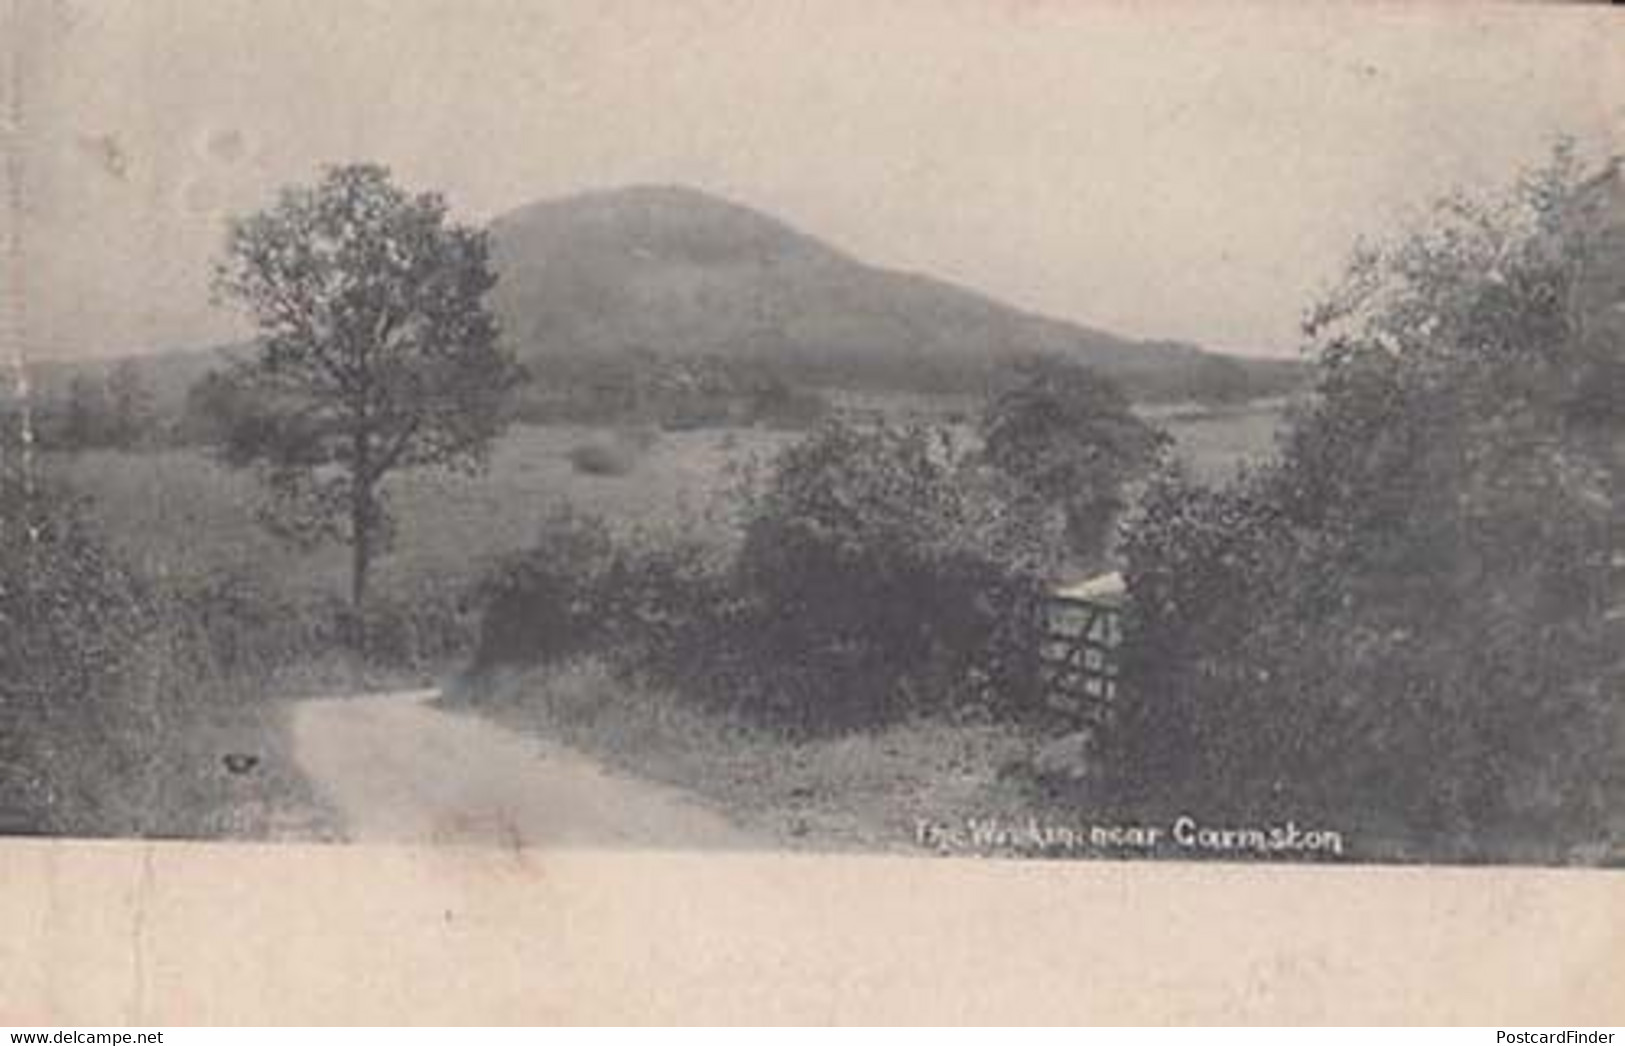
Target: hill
<point>596,287</point>
<point>673,272</point>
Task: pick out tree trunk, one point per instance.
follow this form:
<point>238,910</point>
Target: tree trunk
<point>363,522</point>
<point>360,550</point>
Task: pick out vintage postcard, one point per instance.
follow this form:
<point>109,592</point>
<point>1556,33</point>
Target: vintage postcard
<point>1064,454</point>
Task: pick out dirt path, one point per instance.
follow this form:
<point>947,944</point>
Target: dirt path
<point>399,769</point>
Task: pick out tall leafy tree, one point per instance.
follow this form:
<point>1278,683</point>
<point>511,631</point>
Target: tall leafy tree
<point>377,351</point>
<point>1068,435</point>
<point>131,405</point>
<point>1404,619</point>
<point>87,415</point>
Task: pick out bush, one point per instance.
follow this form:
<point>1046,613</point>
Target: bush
<point>687,413</point>
<point>781,405</point>
<point>546,604</point>
<point>603,458</point>
<point>885,577</point>
<point>1400,626</point>
<point>71,618</point>
<point>1417,685</point>
<point>879,576</point>
<point>580,590</point>
<point>1069,438</point>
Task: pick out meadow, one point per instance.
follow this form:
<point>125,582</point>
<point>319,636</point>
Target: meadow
<point>1213,441</point>
<point>180,514</point>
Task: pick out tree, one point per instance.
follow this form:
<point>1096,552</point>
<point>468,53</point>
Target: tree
<point>1069,436</point>
<point>377,352</point>
<point>1403,620</point>
<point>87,415</point>
<point>131,405</point>
<point>215,406</point>
<point>1219,380</point>
<point>888,577</point>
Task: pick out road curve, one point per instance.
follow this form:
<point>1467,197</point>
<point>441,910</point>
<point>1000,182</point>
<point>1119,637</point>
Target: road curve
<point>398,769</point>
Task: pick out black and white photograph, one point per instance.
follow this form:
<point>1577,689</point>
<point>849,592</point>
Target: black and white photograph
<point>938,428</point>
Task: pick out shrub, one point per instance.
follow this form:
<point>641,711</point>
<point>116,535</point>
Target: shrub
<point>1069,438</point>
<point>781,405</point>
<point>242,625</point>
<point>1418,685</point>
<point>1401,624</point>
<point>884,577</point>
<point>603,458</point>
<point>546,603</point>
<point>70,619</point>
<point>687,413</point>
<point>879,576</point>
<point>580,590</point>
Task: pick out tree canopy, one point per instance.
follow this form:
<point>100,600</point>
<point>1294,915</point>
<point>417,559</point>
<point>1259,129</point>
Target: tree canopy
<point>376,352</point>
<point>1404,618</point>
<point>1069,436</point>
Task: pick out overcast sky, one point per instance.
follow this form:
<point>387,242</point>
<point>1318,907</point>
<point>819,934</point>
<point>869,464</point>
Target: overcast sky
<point>1193,172</point>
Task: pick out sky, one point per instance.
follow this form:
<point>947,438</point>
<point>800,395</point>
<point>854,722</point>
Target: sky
<point>1189,171</point>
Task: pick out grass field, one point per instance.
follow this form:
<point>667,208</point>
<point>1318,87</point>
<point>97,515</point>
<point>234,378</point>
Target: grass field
<point>176,512</point>
<point>1213,441</point>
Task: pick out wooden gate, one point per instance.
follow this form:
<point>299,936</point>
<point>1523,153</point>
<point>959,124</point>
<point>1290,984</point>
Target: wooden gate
<point>1083,630</point>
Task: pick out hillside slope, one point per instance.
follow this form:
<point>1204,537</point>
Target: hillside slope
<point>675,272</point>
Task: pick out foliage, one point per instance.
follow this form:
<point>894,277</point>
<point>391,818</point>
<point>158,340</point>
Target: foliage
<point>880,575</point>
<point>1221,380</point>
<point>603,458</point>
<point>1069,436</point>
<point>70,618</point>
<point>580,589</point>
<point>133,406</point>
<point>223,411</point>
<point>777,402</point>
<point>889,578</point>
<point>377,351</point>
<point>98,409</point>
<point>1403,619</point>
<point>116,682</point>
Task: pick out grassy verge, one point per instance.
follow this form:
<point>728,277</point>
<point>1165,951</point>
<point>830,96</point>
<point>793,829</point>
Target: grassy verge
<point>228,772</point>
<point>860,792</point>
<point>223,764</point>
